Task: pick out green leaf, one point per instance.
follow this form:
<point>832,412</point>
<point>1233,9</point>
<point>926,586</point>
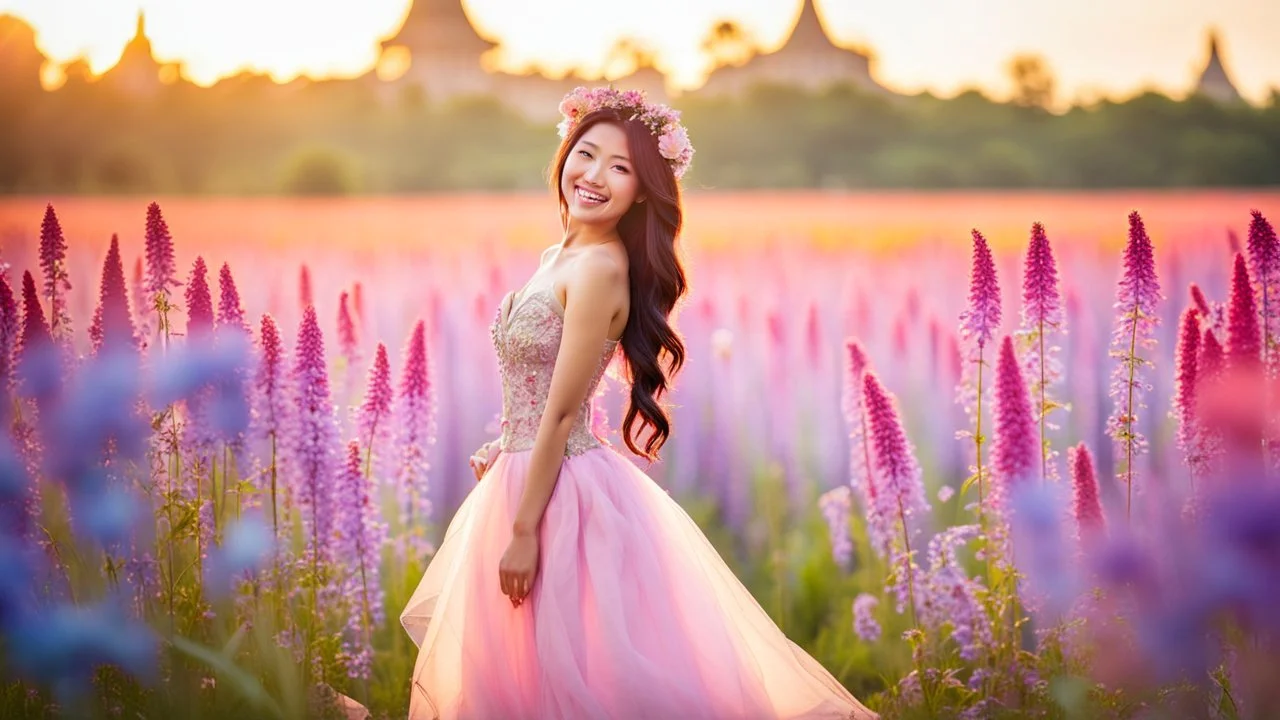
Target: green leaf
<point>247,685</point>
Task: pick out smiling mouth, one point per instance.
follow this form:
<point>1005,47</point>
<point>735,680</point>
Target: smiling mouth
<point>587,196</point>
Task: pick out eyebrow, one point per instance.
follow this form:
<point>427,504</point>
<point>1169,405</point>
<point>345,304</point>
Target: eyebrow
<point>597,147</point>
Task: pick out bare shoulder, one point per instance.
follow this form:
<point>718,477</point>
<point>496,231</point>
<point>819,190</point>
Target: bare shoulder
<point>599,275</point>
<point>546,254</point>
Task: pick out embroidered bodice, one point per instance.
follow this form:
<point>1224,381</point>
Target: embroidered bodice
<point>527,338</point>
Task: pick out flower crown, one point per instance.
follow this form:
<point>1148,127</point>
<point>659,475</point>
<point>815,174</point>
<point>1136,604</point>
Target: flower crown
<point>662,121</point>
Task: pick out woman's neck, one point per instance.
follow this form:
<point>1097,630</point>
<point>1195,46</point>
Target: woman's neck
<point>578,236</point>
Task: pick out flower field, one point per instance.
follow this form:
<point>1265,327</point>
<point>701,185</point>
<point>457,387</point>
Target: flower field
<point>982,455</point>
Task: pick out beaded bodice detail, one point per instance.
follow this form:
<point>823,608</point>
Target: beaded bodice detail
<point>526,338</point>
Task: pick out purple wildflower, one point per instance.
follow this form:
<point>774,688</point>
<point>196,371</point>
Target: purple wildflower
<point>230,313</point>
<point>981,319</point>
<point>10,327</point>
<point>1015,451</point>
<point>835,506</point>
<point>1213,315</point>
<point>305,298</point>
<point>950,597</point>
<point>1042,318</point>
<point>1188,355</point>
<point>1084,483</point>
<point>112,322</point>
<point>314,437</point>
<point>1244,342</point>
<point>160,264</point>
<point>199,301</point>
<point>864,617</point>
<point>1264,257</point>
<point>373,424</point>
<point>358,540</point>
<point>1212,361</point>
<point>1136,300</point>
<point>415,429</point>
<point>270,407</point>
<point>53,266</point>
<point>861,477</point>
<point>900,494</point>
<point>35,331</point>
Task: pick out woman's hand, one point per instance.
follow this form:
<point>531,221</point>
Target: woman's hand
<point>484,458</point>
<point>519,567</point>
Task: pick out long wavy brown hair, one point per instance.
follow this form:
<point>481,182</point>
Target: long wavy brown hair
<point>654,351</point>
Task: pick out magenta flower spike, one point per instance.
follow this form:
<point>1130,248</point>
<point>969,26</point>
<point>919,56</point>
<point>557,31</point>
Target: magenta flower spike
<point>10,327</point>
<point>1015,449</point>
<point>359,536</point>
<point>230,312</point>
<point>414,430</point>
<point>199,301</point>
<point>347,343</point>
<point>897,472</point>
<point>1084,484</point>
<point>305,298</point>
<point>1264,259</point>
<point>161,270</point>
<point>314,440</point>
<point>1244,341</point>
<point>1187,359</point>
<point>1212,361</point>
<point>1042,319</point>
<point>53,267</point>
<point>1137,296</point>
<point>373,424</point>
<point>34,329</point>
<point>981,319</point>
<point>112,322</point>
<point>1201,304</point>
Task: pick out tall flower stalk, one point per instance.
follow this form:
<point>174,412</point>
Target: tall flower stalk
<point>161,269</point>
<point>1264,261</point>
<point>414,423</point>
<point>359,538</point>
<point>271,404</point>
<point>1244,341</point>
<point>53,266</point>
<point>978,324</point>
<point>1042,320</point>
<point>373,421</point>
<point>1186,361</point>
<point>112,321</point>
<point>1084,485</point>
<point>861,469</point>
<point>1136,320</point>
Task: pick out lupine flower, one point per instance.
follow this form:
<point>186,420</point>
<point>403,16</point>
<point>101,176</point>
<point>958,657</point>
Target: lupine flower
<point>37,369</point>
<point>305,298</point>
<point>979,322</point>
<point>861,476</point>
<point>1015,450</point>
<point>10,327</point>
<point>34,329</point>
<point>374,424</point>
<point>1042,319</point>
<point>900,493</point>
<point>1084,484</point>
<point>835,506</point>
<point>199,301</point>
<point>347,343</point>
<point>230,313</point>
<point>864,617</point>
<point>950,597</point>
<point>1244,342</point>
<point>1136,300</point>
<point>1213,316</point>
<point>1188,356</point>
<point>160,264</point>
<point>1264,259</point>
<point>53,266</point>
<point>359,537</point>
<point>112,321</point>
<point>415,429</point>
<point>314,435</point>
<point>1212,361</point>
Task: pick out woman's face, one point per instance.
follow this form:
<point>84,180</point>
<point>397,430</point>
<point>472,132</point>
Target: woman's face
<point>599,182</point>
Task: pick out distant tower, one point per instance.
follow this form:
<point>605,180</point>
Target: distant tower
<point>1214,82</point>
<point>444,50</point>
<point>137,73</point>
<point>808,59</point>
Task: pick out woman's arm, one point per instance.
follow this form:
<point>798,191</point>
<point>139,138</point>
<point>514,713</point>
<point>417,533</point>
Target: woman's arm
<point>593,297</point>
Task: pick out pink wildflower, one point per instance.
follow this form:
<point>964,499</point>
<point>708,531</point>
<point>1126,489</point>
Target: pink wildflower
<point>1244,342</point>
<point>199,301</point>
<point>1187,359</point>
<point>53,265</point>
<point>160,263</point>
<point>112,322</point>
<point>1084,483</point>
<point>1015,450</point>
<point>230,313</point>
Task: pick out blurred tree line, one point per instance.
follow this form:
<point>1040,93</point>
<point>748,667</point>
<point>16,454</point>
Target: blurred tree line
<point>248,135</point>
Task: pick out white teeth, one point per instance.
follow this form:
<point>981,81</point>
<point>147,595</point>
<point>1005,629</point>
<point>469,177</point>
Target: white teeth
<point>590,196</point>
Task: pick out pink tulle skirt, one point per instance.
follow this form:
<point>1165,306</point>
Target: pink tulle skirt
<point>633,614</point>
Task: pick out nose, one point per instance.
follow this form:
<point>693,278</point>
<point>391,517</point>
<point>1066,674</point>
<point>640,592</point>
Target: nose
<point>592,173</point>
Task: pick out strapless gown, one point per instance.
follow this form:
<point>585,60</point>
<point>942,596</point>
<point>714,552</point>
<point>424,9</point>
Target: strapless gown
<point>632,615</point>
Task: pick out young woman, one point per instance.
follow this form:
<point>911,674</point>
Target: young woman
<point>568,584</point>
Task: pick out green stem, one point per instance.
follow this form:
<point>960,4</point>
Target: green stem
<point>1128,418</point>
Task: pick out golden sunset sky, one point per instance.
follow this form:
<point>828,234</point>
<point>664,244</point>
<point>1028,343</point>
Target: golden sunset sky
<point>1094,47</point>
